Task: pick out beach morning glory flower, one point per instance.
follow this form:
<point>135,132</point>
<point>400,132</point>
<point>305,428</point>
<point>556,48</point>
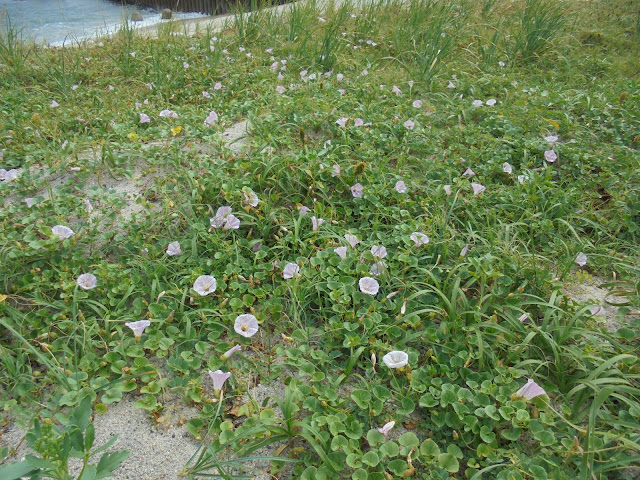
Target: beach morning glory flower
<point>174,249</point>
<point>358,122</point>
<point>168,114</point>
<point>419,238</point>
<point>369,285</point>
<point>378,251</point>
<point>251,198</point>
<point>316,222</point>
<point>211,119</point>
<point>417,103</point>
<point>468,173</point>
<point>87,281</point>
<point>302,210</point>
<point>357,190</point>
<point>246,325</point>
<point>551,140</point>
<point>220,218</point>
<point>342,121</point>
<point>447,189</point>
<point>30,201</point>
<point>144,118</point>
<point>478,188</point>
<point>206,94</point>
<point>507,168</point>
<point>205,284</point>
<point>335,170</point>
<point>352,239</point>
<point>290,270</point>
<point>523,318</point>
<point>341,251</point>
<point>465,249</point>
<point>477,103</point>
<point>62,231</point>
<point>377,269</point>
<point>530,390</point>
<point>218,378</point>
<point>581,259</point>
<point>384,430</point>
<point>185,65</point>
<point>409,125</point>
<point>451,85</point>
<point>550,156</point>
<point>522,178</point>
<point>400,187</point>
<point>280,89</point>
<point>491,102</point>
<point>54,104</point>
<point>396,359</point>
<point>231,223</point>
<point>396,90</point>
<point>138,327</point>
<point>231,351</point>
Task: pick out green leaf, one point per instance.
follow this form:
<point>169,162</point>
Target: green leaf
<point>538,472</point>
<point>390,449</point>
<point>360,474</point>
<point>429,448</point>
<point>362,398</point>
<point>374,437</point>
<point>408,439</point>
<point>82,413</point>
<point>487,435</point>
<point>428,401</point>
<point>89,473</point>
<point>89,437</point>
<point>16,470</point>
<point>112,395</point>
<point>110,462</point>
<point>353,460</point>
<point>398,466</point>
<point>149,402</point>
<point>339,442</point>
<point>449,462</point>
<point>371,458</point>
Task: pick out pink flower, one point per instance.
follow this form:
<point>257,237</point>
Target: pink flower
<point>377,269</point>
<point>468,173</point>
<point>206,94</point>
<point>477,103</point>
<point>369,285</point>
<point>185,65</point>
<point>419,238</point>
<point>168,114</point>
<point>386,428</point>
<point>550,156</point>
<point>174,249</point>
<point>144,118</point>
<point>447,189</point>
<point>290,270</point>
<point>478,188</point>
<point>451,85</point>
<point>409,125</point>
<point>339,77</point>
<point>62,232</point>
<point>280,89</point>
<point>417,103</point>
<point>396,90</point>
<point>205,284</point>
<point>491,102</point>
<point>378,251</point>
<point>54,104</point>
<point>87,281</point>
<point>231,223</point>
<point>302,210</point>
<point>358,122</point>
<point>581,259</point>
<point>352,239</point>
<point>231,351</point>
<point>342,121</point>
<point>341,251</point>
<point>251,198</point>
<point>551,140</point>
<point>530,390</point>
<point>316,222</point>
<point>138,327</point>
<point>507,168</point>
<point>400,187</point>
<point>523,318</point>
<point>335,170</point>
<point>211,119</point>
<point>246,325</point>
<point>217,86</point>
<point>357,190</point>
<point>218,378</point>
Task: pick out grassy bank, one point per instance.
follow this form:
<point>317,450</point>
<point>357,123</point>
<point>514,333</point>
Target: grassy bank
<point>420,177</point>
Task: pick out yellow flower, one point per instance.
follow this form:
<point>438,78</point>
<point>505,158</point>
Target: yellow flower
<point>176,130</point>
<point>133,137</point>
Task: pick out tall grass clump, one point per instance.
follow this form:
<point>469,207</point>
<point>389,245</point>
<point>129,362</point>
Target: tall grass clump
<point>540,22</point>
<point>15,49</point>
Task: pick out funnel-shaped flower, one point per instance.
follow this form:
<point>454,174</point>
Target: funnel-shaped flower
<point>231,351</point>
<point>290,270</point>
<point>369,285</point>
<point>341,252</point>
<point>174,249</point>
<point>419,238</point>
<point>246,325</point>
<point>530,390</point>
<point>87,281</point>
<point>62,232</point>
<point>138,327</point>
<point>478,188</point>
<point>400,187</point>
<point>205,284</point>
<point>581,259</point>
<point>352,239</point>
<point>387,428</point>
<point>218,378</point>
<point>396,359</point>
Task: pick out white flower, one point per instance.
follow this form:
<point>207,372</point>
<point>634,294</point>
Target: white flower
<point>507,168</point>
<point>62,232</point>
<point>174,249</point>
<point>477,103</point>
<point>491,102</point>
<point>54,104</point>
<point>302,210</point>
<point>168,114</point>
<point>211,119</point>
<point>342,121</point>
<point>550,156</point>
<point>396,90</point>
<point>369,285</point>
<point>290,270</point>
<point>530,390</point>
<point>378,251</point>
<point>417,103</point>
<point>396,359</point>
<point>251,199</point>
<point>138,327</point>
<point>581,259</point>
<point>246,325</point>
<point>386,428</point>
<point>218,378</point>
<point>144,118</point>
<point>419,238</point>
<point>220,218</point>
<point>447,189</point>
<point>280,89</point>
<point>87,281</point>
<point>357,190</point>
<point>409,125</point>
<point>465,249</point>
<point>231,351</point>
<point>478,188</point>
<point>316,222</point>
<point>231,223</point>
<point>377,269</point>
<point>352,239</point>
<point>468,173</point>
<point>205,284</point>
<point>400,187</point>
<point>551,140</point>
<point>522,179</point>
<point>341,251</point>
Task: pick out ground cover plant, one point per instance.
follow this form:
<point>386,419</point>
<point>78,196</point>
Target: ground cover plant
<point>420,181</point>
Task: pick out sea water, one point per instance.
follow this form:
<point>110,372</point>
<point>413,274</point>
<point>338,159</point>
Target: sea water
<point>58,22</point>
